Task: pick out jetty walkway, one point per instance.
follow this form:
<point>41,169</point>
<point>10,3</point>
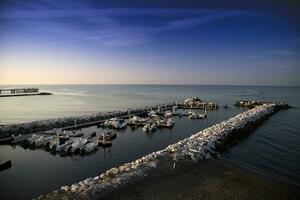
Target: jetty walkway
<point>14,92</point>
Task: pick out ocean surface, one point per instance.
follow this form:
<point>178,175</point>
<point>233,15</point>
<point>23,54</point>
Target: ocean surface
<point>272,150</point>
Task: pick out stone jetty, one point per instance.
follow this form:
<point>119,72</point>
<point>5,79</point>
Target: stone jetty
<point>65,122</point>
<point>252,104</point>
<point>197,103</point>
<point>205,144</point>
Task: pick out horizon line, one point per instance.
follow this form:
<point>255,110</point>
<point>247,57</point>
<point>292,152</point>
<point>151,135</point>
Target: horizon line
<point>165,84</point>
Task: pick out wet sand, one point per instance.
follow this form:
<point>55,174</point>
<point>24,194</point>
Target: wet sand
<point>208,179</point>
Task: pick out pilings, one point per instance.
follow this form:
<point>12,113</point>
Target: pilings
<point>202,145</point>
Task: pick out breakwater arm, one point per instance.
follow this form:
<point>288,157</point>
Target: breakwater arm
<point>92,119</point>
<point>66,122</point>
<point>202,145</point>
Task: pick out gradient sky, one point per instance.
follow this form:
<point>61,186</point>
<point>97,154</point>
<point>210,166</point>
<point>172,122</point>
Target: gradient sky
<point>131,42</point>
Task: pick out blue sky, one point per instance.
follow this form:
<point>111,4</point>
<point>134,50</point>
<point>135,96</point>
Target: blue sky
<point>169,42</point>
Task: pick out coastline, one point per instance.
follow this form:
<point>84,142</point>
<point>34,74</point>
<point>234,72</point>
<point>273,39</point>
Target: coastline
<point>208,179</point>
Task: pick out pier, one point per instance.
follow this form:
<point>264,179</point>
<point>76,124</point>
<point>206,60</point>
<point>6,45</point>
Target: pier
<point>13,92</point>
<point>19,90</point>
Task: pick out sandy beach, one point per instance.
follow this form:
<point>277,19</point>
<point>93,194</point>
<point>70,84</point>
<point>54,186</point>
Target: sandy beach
<point>208,179</point>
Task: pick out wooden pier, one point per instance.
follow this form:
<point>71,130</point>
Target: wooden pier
<point>13,92</point>
<point>19,90</point>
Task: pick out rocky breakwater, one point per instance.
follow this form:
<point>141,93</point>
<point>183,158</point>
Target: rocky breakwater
<point>44,125</point>
<point>205,144</point>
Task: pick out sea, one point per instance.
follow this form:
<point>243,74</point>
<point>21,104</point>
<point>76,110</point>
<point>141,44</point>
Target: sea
<point>272,150</point>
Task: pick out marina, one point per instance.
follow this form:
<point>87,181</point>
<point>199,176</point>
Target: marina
<point>74,139</point>
<point>206,144</point>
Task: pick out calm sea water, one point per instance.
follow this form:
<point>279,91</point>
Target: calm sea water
<point>273,149</point>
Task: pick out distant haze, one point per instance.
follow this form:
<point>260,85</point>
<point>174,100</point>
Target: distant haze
<point>159,42</point>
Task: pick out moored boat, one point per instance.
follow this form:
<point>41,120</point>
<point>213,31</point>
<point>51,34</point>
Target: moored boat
<point>150,127</point>
<point>104,140</point>
<point>89,147</point>
<point>77,144</point>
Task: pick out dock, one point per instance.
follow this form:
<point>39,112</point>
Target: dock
<point>14,92</point>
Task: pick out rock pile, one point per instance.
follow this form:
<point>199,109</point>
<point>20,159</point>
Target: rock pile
<point>252,104</point>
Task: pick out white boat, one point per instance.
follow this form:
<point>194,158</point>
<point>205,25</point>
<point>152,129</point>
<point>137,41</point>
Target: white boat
<point>195,115</point>
<point>34,138</point>
<point>89,147</point>
<point>150,127</point>
<point>152,113</point>
<point>135,120</point>
<point>115,123</point>
<point>77,144</point>
<point>51,132</point>
<point>168,114</point>
<point>139,119</point>
<point>174,108</point>
<point>63,146</point>
<point>170,122</point>
<point>43,141</point>
<point>5,138</point>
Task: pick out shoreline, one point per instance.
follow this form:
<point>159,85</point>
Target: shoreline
<point>208,179</point>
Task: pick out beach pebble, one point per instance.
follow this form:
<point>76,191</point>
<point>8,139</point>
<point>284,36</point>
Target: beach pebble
<point>112,172</point>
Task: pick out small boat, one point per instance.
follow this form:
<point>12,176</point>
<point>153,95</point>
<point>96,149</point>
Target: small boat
<point>19,138</point>
<point>150,127</point>
<point>170,122</point>
<point>43,141</point>
<point>167,122</point>
<point>51,132</point>
<point>89,147</point>
<point>34,138</point>
<point>168,114</point>
<point>152,114</point>
<point>135,120</point>
<point>174,108</point>
<point>77,144</point>
<point>195,115</point>
<point>4,138</point>
<point>115,123</point>
<point>63,146</point>
<point>76,134</point>
<point>104,140</point>
<point>5,165</point>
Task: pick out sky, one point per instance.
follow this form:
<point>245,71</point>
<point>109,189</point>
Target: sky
<point>228,42</point>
